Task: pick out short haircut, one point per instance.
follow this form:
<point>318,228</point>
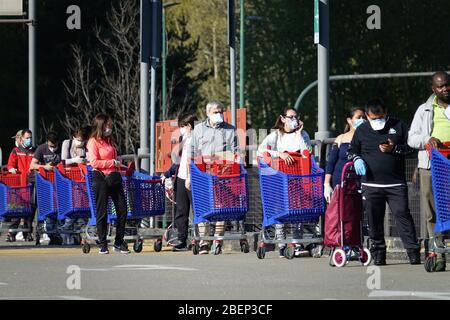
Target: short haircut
<point>439,74</point>
<point>52,136</point>
<point>375,106</point>
<point>212,105</point>
<point>186,119</point>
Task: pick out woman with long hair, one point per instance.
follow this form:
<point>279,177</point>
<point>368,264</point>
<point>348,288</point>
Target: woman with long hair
<point>337,157</point>
<point>107,182</point>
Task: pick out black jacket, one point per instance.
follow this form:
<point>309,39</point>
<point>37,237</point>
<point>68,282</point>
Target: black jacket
<point>382,168</point>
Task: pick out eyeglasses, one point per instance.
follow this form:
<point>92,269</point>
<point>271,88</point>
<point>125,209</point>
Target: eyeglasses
<point>291,117</point>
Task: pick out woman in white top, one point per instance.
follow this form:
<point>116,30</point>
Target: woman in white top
<point>183,194</point>
<point>73,152</point>
<point>288,136</point>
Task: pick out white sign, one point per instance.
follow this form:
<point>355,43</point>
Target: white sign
<point>11,7</point>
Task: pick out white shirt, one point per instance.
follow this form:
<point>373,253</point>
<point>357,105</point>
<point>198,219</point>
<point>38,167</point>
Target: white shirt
<point>182,171</point>
<point>284,142</point>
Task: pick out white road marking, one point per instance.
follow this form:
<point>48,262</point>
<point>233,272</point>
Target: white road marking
<point>46,298</point>
<point>418,294</point>
<point>152,267</point>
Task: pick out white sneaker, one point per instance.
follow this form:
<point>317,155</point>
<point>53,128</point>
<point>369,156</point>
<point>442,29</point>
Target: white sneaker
<point>19,236</point>
<point>45,238</point>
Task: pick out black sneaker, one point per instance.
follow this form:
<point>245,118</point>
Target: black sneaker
<point>103,249</point>
<point>122,248</point>
<point>414,256</point>
<point>204,249</point>
<point>55,241</point>
<point>11,237</point>
<point>379,256</point>
<point>281,252</point>
<point>180,247</point>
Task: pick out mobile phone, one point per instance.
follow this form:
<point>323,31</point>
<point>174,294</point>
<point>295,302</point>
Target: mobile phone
<point>385,142</point>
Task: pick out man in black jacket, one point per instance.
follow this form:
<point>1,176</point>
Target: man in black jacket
<point>378,149</point>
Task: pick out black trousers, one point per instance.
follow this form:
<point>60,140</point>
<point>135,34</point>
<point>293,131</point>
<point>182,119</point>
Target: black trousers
<point>184,200</point>
<point>374,200</point>
<point>103,188</point>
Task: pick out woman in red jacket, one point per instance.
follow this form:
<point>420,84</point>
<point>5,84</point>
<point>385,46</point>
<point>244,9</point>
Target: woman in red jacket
<point>107,182</point>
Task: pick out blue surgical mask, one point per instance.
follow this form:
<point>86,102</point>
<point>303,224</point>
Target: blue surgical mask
<point>357,123</point>
<point>27,143</point>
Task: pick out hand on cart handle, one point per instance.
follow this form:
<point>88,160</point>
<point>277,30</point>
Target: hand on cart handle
<point>434,142</point>
<point>48,167</point>
<point>287,158</point>
<point>12,170</point>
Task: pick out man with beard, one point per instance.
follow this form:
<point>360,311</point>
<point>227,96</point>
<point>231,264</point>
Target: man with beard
<point>431,125</point>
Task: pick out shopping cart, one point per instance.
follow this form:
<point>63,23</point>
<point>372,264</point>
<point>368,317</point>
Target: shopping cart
<point>72,199</point>
<point>219,193</point>
<point>343,221</point>
<point>291,194</point>
<point>15,201</point>
<point>440,175</point>
<point>144,196</point>
<point>47,207</point>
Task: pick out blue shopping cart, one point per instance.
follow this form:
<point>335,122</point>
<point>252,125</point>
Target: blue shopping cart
<point>291,198</point>
<point>440,175</point>
<point>219,193</point>
<point>145,198</point>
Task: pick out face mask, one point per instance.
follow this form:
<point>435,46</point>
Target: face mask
<point>447,113</point>
<point>183,131</point>
<point>27,143</point>
<point>293,124</point>
<point>378,124</point>
<point>357,123</point>
<point>107,132</point>
<point>78,143</point>
<point>52,149</point>
<point>216,118</point>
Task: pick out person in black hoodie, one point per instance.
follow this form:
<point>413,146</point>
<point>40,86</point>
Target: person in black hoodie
<point>378,150</point>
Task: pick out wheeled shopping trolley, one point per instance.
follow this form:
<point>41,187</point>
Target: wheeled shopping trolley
<point>219,193</point>
<point>343,221</point>
<point>291,194</point>
<point>440,175</point>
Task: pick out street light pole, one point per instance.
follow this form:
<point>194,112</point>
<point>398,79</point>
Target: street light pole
<point>242,59</point>
<point>32,67</point>
<point>232,45</point>
<point>164,68</point>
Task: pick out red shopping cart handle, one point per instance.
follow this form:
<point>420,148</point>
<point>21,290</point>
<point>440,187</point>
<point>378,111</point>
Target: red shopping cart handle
<point>443,149</point>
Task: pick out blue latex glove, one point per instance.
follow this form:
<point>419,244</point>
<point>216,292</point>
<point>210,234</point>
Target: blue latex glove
<point>360,167</point>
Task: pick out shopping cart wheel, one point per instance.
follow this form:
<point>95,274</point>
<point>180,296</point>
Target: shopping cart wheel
<point>261,252</point>
<point>138,245</point>
<point>289,252</point>
<point>366,257</point>
<point>245,247</point>
<point>339,258</point>
<point>157,245</point>
<point>430,263</point>
<point>195,249</point>
<point>86,248</point>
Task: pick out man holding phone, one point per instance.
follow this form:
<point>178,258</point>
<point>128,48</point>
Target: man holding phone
<point>378,149</point>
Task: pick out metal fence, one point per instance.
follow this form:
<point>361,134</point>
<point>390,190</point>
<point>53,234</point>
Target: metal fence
<point>253,220</point>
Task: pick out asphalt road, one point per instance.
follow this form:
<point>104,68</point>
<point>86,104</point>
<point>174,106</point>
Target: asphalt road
<point>45,273</point>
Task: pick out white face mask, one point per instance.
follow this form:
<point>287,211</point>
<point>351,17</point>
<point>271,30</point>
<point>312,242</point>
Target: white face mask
<point>52,149</point>
<point>378,124</point>
<point>107,132</point>
<point>292,123</point>
<point>78,143</point>
<point>183,131</point>
<point>216,118</point>
<point>447,113</point>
